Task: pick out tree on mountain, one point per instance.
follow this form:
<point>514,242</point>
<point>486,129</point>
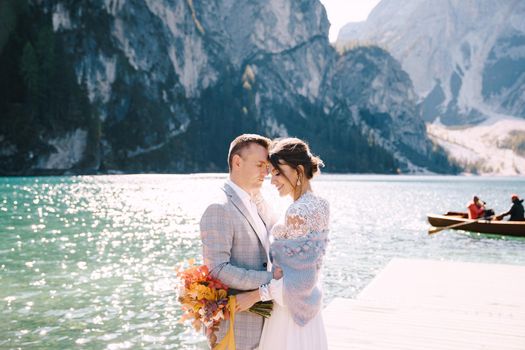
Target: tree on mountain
<point>30,71</point>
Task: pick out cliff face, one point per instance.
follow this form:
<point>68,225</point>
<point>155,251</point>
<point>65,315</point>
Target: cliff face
<point>467,62</point>
<point>171,83</point>
<point>466,58</point>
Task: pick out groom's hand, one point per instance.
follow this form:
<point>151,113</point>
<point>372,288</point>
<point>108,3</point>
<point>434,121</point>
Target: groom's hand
<point>277,273</point>
<point>244,301</point>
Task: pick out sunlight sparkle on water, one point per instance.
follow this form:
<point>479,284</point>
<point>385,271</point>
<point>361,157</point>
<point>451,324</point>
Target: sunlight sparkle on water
<point>90,261</point>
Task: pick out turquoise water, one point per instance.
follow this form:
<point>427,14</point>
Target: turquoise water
<point>87,262</point>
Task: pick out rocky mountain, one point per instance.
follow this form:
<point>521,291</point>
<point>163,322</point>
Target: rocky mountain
<point>170,83</point>
<point>467,62</point>
<point>466,58</point>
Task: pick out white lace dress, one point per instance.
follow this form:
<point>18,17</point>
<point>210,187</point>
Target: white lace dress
<point>309,213</point>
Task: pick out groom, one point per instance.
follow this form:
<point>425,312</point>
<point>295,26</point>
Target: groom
<point>234,234</point>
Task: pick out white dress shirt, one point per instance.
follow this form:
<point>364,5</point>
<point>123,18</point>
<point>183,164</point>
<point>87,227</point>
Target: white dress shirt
<point>252,208</point>
<point>246,199</point>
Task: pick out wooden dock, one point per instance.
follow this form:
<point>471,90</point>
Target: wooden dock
<point>433,305</point>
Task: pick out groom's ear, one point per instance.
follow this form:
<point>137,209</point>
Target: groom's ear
<point>236,161</point>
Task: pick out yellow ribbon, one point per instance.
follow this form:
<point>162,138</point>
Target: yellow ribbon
<point>228,342</point>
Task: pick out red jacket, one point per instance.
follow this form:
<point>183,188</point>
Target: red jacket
<point>474,211</point>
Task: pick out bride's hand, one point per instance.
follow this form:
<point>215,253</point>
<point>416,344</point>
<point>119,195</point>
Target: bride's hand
<point>244,301</point>
<point>277,273</point>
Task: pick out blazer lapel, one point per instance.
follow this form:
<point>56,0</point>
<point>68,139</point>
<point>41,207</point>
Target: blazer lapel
<point>265,216</point>
<point>237,202</point>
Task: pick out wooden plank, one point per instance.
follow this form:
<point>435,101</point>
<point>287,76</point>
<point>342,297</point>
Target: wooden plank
<point>422,304</point>
<point>418,280</point>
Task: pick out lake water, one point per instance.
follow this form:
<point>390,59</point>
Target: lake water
<point>88,262</point>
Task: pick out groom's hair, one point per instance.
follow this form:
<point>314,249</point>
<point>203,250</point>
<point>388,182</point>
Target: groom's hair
<point>243,141</point>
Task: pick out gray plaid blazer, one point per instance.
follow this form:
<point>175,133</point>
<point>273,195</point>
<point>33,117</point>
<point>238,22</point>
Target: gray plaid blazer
<point>237,254</point>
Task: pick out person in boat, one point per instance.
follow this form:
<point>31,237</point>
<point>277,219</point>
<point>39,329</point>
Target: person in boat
<point>476,208</point>
<point>516,211</point>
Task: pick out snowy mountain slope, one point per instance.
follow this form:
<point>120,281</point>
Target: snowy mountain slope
<point>467,62</point>
<point>487,148</point>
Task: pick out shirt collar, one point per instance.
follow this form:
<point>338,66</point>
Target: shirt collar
<point>243,195</point>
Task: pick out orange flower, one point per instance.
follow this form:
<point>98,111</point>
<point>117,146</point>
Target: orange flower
<point>202,297</point>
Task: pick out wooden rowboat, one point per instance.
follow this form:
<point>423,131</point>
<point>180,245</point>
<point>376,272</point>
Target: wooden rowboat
<point>497,227</point>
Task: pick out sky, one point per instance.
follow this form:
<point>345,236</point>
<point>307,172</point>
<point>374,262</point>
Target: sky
<point>340,12</point>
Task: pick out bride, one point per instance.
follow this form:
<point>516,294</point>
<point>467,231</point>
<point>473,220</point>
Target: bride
<point>299,242</point>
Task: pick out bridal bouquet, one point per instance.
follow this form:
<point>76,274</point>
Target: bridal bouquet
<point>204,299</point>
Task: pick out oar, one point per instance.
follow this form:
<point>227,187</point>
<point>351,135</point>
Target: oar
<point>459,224</point>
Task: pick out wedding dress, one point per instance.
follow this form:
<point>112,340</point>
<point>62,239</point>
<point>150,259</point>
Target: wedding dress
<point>308,214</point>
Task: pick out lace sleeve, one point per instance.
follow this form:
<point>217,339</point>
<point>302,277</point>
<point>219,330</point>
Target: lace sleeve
<point>296,222</point>
<point>308,214</point>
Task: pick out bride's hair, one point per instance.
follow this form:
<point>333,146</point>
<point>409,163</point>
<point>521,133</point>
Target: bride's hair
<point>294,152</point>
